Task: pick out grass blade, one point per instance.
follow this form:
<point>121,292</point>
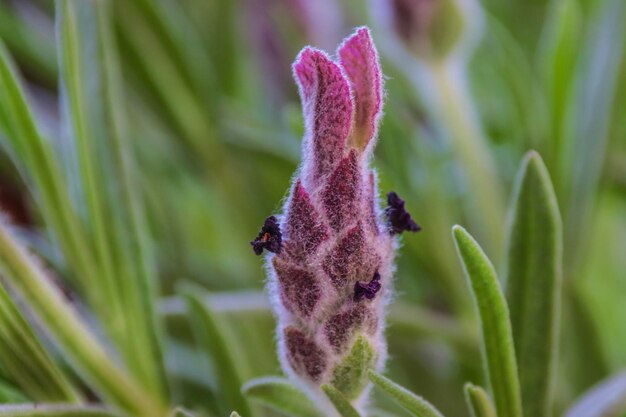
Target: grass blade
<point>340,402</point>
<point>558,51</point>
<point>281,395</point>
<point>32,47</point>
<point>534,283</point>
<point>211,338</point>
<point>478,401</point>
<point>25,359</point>
<point>77,119</point>
<point>35,158</point>
<point>48,410</point>
<point>133,246</point>
<point>498,349</point>
<point>72,335</point>
<point>589,120</point>
<point>414,404</point>
<point>181,412</point>
<point>607,399</point>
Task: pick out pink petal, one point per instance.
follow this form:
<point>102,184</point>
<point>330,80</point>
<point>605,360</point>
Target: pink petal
<point>359,60</point>
<point>327,108</point>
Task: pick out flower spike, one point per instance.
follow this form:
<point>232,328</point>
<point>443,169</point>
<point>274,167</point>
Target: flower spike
<point>331,268</point>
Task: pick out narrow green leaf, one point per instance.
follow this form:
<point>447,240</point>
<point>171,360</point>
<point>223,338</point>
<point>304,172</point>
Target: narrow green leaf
<point>71,334</point>
<point>32,47</point>
<point>132,247</point>
<point>10,394</point>
<point>606,399</point>
<point>340,402</point>
<point>53,410</point>
<point>498,349</point>
<point>181,412</point>
<point>281,395</point>
<point>26,360</point>
<point>35,158</point>
<point>478,401</point>
<point>589,119</point>
<point>534,283</point>
<point>77,119</point>
<point>559,48</point>
<point>211,337</point>
<point>414,404</point>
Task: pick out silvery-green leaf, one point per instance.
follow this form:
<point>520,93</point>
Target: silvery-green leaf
<point>478,401</point>
<point>181,412</point>
<point>340,402</point>
<point>499,352</point>
<point>26,360</point>
<point>54,410</point>
<point>281,395</point>
<point>534,283</point>
<point>211,337</point>
<point>414,404</point>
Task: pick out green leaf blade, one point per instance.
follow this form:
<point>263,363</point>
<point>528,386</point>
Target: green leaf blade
<point>26,360</point>
<point>181,412</point>
<point>499,352</point>
<point>340,402</point>
<point>281,395</point>
<point>54,410</point>
<point>414,404</point>
<point>534,283</point>
<point>212,339</point>
<point>478,401</point>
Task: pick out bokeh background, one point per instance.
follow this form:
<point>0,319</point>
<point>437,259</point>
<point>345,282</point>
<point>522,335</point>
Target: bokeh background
<point>216,126</point>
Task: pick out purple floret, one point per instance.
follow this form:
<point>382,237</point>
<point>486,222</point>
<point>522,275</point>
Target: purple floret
<point>398,219</point>
<point>269,237</point>
<point>368,290</point>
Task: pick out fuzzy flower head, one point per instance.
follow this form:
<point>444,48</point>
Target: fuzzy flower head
<point>330,276</point>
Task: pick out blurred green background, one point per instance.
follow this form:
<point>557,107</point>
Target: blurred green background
<point>215,129</point>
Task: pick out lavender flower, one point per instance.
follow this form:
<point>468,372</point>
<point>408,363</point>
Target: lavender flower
<point>331,275</point>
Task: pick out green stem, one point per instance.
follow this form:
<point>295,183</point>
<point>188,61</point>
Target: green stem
<point>458,121</point>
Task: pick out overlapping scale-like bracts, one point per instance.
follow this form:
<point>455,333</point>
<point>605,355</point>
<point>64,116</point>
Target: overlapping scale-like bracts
<point>332,275</point>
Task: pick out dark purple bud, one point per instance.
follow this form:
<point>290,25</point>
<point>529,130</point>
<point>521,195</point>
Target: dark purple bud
<point>269,237</point>
<point>368,290</point>
<point>398,219</point>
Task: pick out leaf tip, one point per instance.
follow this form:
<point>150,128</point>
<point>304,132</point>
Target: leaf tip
<point>459,233</point>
